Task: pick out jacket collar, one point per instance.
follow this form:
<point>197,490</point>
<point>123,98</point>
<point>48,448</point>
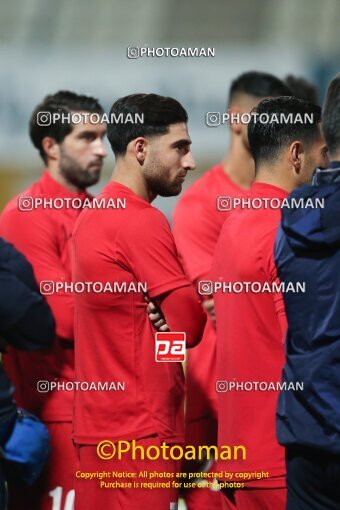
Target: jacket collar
<point>329,176</point>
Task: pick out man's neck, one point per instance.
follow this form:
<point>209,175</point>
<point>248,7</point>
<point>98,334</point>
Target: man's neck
<point>274,178</point>
<point>132,180</point>
<point>57,176</point>
<point>239,166</point>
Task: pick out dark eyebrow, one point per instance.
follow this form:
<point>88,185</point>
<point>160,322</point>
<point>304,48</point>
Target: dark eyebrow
<point>181,142</point>
<point>86,132</point>
<point>89,132</point>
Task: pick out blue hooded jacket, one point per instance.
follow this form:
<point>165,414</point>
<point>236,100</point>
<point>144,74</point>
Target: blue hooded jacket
<point>308,250</point>
<point>26,322</point>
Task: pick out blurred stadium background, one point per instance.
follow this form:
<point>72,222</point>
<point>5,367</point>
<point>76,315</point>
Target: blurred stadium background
<point>47,45</point>
<point>81,45</point>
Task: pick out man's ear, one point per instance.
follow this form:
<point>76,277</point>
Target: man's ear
<point>138,147</point>
<point>296,156</point>
<point>234,114</point>
<point>50,147</point>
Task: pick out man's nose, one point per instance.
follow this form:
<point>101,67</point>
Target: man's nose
<point>100,149</point>
<point>189,162</point>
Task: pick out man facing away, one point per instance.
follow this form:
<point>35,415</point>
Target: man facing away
<point>250,313</point>
<point>308,248</point>
<point>73,155</point>
<point>115,340</point>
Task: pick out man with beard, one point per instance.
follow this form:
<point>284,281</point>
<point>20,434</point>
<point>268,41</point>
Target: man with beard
<point>73,155</point>
<point>204,202</point>
<point>133,245</point>
<point>250,315</point>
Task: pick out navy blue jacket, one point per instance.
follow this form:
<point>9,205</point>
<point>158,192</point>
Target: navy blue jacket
<point>26,321</point>
<point>308,249</point>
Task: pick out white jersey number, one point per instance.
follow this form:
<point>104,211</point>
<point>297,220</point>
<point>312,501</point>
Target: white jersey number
<point>57,494</point>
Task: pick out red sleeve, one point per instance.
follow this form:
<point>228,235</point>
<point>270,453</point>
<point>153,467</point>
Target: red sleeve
<point>273,277</point>
<point>33,234</point>
<point>192,234</point>
<point>188,317</point>
<point>146,247</point>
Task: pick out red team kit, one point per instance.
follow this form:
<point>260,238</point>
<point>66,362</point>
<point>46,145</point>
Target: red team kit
<point>45,237</point>
<point>161,388</point>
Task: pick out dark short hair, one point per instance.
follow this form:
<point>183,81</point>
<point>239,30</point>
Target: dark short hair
<point>302,88</point>
<point>158,113</point>
<point>63,102</point>
<point>258,84</point>
<point>331,117</point>
<point>267,139</point>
